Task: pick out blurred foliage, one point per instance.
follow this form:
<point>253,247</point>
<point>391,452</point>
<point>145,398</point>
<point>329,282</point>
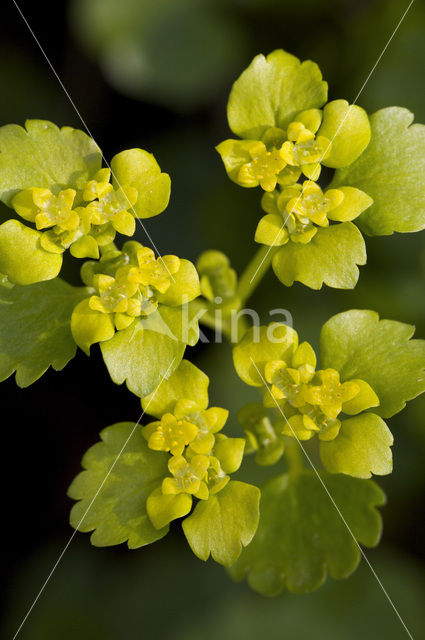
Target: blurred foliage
<point>104,595</point>
<point>174,53</point>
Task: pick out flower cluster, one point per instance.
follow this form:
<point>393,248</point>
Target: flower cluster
<point>311,400</point>
<point>68,199</point>
<point>128,285</point>
<point>131,293</point>
<point>81,221</point>
<point>200,458</point>
<point>285,142</point>
<point>299,210</point>
<point>280,156</point>
<point>305,401</point>
<point>295,211</point>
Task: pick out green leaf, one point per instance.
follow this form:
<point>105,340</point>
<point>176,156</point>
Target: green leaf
<point>271,91</point>
<point>331,258</point>
<point>301,536</point>
<point>354,203</point>
<point>184,286</point>
<point>271,231</point>
<point>187,381</point>
<point>118,512</point>
<point>347,127</point>
<point>258,346</point>
<point>229,452</point>
<point>359,345</point>
<point>138,168</point>
<point>42,155</point>
<point>391,170</point>
<point>362,447</point>
<point>22,258</point>
<point>224,523</point>
<point>365,399</point>
<point>234,154</point>
<point>89,327</point>
<point>141,358</point>
<point>35,329</point>
<point>179,323</point>
<point>163,509</point>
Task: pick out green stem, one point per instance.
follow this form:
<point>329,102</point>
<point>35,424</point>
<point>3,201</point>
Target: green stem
<point>294,456</point>
<point>254,272</point>
<point>209,319</point>
<point>104,250</point>
<point>249,280</point>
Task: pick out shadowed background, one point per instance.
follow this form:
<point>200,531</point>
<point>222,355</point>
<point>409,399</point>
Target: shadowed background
<point>157,75</point>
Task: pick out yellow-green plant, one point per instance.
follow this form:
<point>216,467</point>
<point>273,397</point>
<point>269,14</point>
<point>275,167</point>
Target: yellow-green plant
<point>322,415</point>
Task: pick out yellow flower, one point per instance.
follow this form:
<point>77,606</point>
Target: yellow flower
<point>288,381</point>
<point>303,148</point>
<point>112,206</point>
<point>264,167</point>
<point>330,395</point>
<point>188,476</point>
<point>114,293</point>
<point>97,187</point>
<point>170,434</point>
<point>56,240</point>
<point>208,421</point>
<point>47,210</point>
<point>301,207</point>
<point>158,272</point>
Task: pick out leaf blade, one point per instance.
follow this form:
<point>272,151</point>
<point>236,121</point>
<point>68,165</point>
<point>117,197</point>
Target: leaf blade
<point>35,329</point>
<point>271,91</point>
<point>330,258</point>
<point>301,537</point>
<point>224,523</point>
<point>115,508</point>
<point>362,447</point>
<point>390,170</point>
<point>381,352</point>
<point>141,358</point>
<point>43,155</point>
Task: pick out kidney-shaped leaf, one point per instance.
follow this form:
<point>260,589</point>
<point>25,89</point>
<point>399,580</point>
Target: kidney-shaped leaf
<point>42,155</point>
<point>35,329</point>
<point>113,489</point>
<point>359,345</point>
<point>301,536</point>
<point>392,171</point>
<point>271,91</point>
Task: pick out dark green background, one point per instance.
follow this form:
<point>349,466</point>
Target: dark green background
<point>156,74</point>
